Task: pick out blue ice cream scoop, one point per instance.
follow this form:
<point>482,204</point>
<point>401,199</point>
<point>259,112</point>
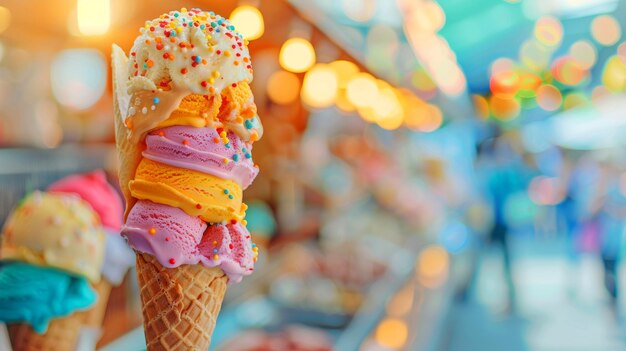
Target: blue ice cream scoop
<point>35,295</point>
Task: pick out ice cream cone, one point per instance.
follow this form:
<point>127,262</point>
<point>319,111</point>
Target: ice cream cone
<point>61,335</point>
<point>129,153</point>
<point>183,103</point>
<point>180,305</point>
<point>95,315</point>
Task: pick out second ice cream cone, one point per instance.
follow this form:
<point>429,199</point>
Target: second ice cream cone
<point>95,315</point>
<point>62,335</point>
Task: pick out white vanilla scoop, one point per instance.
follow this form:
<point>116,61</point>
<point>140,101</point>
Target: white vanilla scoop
<point>199,51</point>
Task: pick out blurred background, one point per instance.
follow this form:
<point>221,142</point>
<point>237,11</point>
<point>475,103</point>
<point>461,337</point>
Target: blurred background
<point>435,175</point>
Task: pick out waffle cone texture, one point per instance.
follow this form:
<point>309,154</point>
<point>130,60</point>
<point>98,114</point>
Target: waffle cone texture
<point>94,316</point>
<point>180,305</point>
<point>62,335</point>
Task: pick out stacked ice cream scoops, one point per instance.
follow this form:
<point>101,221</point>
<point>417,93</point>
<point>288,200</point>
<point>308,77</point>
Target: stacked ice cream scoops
<point>52,251</point>
<point>185,124</point>
<point>94,189</point>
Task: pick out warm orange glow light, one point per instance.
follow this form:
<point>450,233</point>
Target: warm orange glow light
<point>319,88</point>
<point>248,21</point>
<point>504,107</point>
<point>434,119</point>
<point>297,55</point>
<point>392,333</point>
<point>481,106</point>
<point>362,90</point>
<point>401,304</point>
<point>283,87</point>
<point>344,71</point>
<point>5,18</point>
<point>432,266</point>
<point>94,16</point>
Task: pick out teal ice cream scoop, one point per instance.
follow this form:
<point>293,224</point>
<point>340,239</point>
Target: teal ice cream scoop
<point>35,295</point>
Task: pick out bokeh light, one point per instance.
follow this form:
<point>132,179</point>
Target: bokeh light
<point>504,82</point>
<point>360,11</point>
<point>435,15</point>
<point>504,107</point>
<point>297,55</point>
<point>344,70</point>
<point>545,190</point>
<point>319,88</point>
<point>402,302</point>
<point>481,106</point>
<point>78,77</point>
<point>528,84</point>
<point>614,74</point>
<point>548,31</point>
<point>584,53</point>
<point>388,110</point>
<point>343,103</point>
<point>424,85</point>
<point>248,21</point>
<point>568,71</point>
<point>5,18</point>
<point>432,266</point>
<point>500,65</point>
<point>367,113</point>
<point>94,16</point>
<point>362,90</point>
<point>433,120</point>
<point>534,55</point>
<point>573,100</point>
<point>606,30</point>
<point>549,97</point>
<point>416,112</point>
<point>454,236</point>
<point>392,333</point>
<point>283,87</point>
<point>449,77</point>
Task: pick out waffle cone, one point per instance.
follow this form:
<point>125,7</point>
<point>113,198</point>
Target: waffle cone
<point>62,335</point>
<point>129,153</point>
<point>95,315</point>
<point>180,305</point>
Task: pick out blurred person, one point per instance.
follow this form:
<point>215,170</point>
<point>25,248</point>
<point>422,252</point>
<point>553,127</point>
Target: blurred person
<point>579,212</point>
<point>503,174</point>
<point>612,217</point>
<point>568,221</point>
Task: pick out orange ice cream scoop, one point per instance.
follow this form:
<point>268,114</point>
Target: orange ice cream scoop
<point>195,110</point>
<point>213,199</point>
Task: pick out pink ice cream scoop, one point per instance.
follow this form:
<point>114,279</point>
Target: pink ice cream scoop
<point>203,150</point>
<point>95,189</point>
<point>175,238</point>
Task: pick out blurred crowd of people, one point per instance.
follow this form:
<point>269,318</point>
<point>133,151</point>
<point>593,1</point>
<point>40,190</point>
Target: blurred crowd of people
<point>578,197</point>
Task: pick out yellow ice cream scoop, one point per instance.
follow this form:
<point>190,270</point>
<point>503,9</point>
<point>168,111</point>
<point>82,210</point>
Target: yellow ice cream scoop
<point>199,194</point>
<point>55,230</point>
